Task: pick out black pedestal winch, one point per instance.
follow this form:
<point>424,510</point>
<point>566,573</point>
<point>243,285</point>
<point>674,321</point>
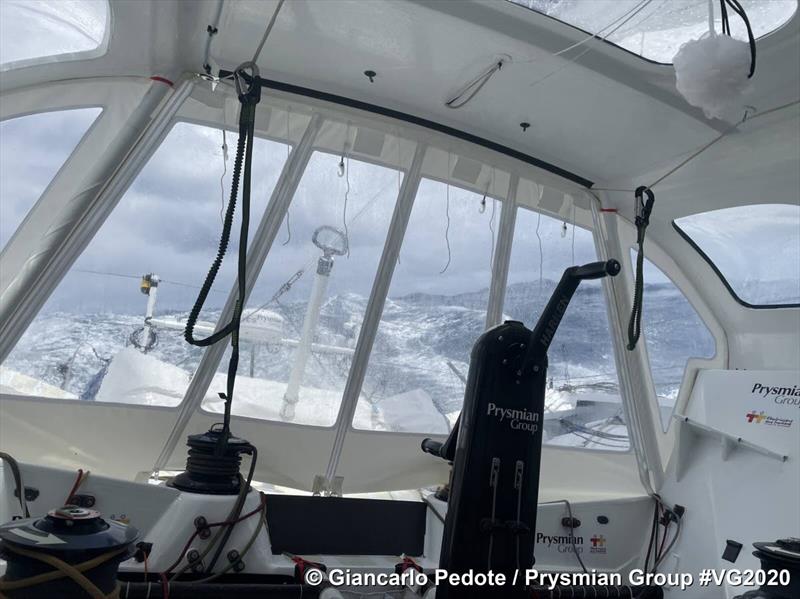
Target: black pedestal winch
<point>496,446</point>
<point>71,552</point>
<point>213,464</point>
<point>780,562</point>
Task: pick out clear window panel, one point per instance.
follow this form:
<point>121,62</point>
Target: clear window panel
<point>303,319</point>
<point>755,248</point>
<point>583,407</point>
<point>31,29</point>
<point>90,341</point>
<point>435,310</point>
<point>657,30</point>
<point>32,150</point>
<point>674,333</point>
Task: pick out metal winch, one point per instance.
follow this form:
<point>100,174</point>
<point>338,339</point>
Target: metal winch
<point>71,552</point>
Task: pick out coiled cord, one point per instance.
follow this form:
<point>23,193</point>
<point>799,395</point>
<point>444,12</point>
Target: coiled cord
<point>224,240</point>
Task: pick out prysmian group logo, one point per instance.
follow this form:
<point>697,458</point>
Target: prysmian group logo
<point>780,395</point>
<point>754,417</point>
<point>598,544</point>
<point>518,419</point>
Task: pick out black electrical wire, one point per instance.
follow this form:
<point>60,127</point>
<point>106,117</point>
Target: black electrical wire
<point>736,7</point>
<point>652,536</point>
<point>751,40</point>
<point>237,510</point>
<point>643,211</point>
<point>571,530</point>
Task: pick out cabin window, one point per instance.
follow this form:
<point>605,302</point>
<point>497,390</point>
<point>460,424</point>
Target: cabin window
<point>89,340</point>
<point>32,150</point>
<point>33,31</point>
<point>754,249</point>
<point>657,30</point>
<point>434,312</point>
<point>674,333</point>
<point>276,379</point>
<point>583,406</point>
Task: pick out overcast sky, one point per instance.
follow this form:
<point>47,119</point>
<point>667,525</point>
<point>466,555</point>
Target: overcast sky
<point>169,222</point>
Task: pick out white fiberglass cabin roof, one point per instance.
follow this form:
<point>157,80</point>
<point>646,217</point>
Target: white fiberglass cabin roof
<point>565,137</point>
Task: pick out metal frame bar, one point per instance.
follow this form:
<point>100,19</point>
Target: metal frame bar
<point>268,229</point>
<point>374,311</point>
<point>632,366</point>
<point>502,255</point>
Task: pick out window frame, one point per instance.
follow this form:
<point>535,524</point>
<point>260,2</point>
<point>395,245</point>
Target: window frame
<point>433,141</point>
<point>101,108</point>
<point>101,49</point>
<point>631,52</point>
<point>687,238</point>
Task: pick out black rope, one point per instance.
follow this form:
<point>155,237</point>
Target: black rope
<point>249,98</point>
<point>643,210</point>
<point>736,7</point>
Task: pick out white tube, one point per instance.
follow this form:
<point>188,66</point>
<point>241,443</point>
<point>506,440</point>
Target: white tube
<point>148,315</point>
<point>303,352</point>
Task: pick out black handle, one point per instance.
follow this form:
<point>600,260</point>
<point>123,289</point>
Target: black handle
<point>432,447</point>
<point>596,270</point>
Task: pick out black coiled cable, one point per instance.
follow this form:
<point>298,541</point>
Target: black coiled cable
<point>244,155</point>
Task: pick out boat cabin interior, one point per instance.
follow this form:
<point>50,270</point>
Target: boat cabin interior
<point>399,298</point>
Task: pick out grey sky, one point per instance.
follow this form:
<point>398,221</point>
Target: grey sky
<point>169,222</point>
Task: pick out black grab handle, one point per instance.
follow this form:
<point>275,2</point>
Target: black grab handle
<point>432,447</point>
<point>551,316</point>
<point>596,270</point>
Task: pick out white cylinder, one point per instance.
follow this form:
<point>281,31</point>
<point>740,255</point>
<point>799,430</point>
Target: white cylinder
<point>303,352</point>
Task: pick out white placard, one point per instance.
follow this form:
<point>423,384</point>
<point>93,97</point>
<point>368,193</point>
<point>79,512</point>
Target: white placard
<point>760,406</point>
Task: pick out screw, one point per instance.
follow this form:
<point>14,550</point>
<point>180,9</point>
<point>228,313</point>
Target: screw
<point>536,369</point>
<point>193,555</point>
<point>500,338</point>
<point>371,74</point>
<point>233,555</point>
<point>238,566</point>
<point>505,361</point>
<point>201,524</point>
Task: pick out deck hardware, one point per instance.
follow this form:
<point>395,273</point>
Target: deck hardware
<point>31,493</point>
<point>525,125</point>
<point>371,75</point>
<point>201,524</point>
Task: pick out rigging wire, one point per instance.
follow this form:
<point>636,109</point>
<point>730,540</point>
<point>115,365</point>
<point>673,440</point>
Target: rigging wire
<point>212,30</point>
<point>288,152</point>
<point>746,117</point>
<point>447,215</point>
<point>491,223</point>
<point>222,177</point>
<point>344,209</point>
<point>573,230</point>
<point>571,61</point>
<point>267,31</point>
<point>596,35</point>
<point>138,277</point>
<point>346,163</point>
<point>471,89</point>
<point>541,249</point>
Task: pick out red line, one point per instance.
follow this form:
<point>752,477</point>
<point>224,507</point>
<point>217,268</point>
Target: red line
<point>162,80</point>
<point>608,209</point>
